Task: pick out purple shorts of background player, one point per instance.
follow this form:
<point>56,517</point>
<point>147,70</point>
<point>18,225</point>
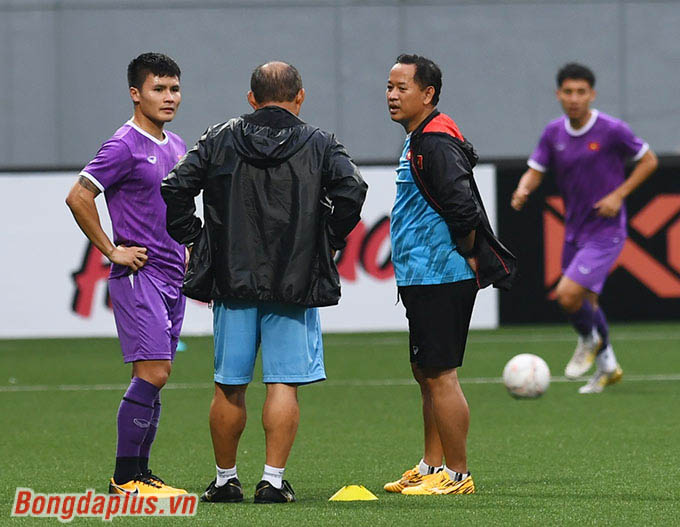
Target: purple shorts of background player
<point>588,264</point>
<point>149,315</point>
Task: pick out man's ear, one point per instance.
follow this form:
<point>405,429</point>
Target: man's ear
<point>300,97</point>
<point>429,95</point>
<point>134,94</point>
<point>252,101</point>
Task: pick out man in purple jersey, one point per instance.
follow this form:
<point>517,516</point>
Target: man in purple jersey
<point>147,265</point>
<point>587,151</point>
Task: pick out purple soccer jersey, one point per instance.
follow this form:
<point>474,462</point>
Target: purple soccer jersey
<point>588,164</point>
<point>129,169</point>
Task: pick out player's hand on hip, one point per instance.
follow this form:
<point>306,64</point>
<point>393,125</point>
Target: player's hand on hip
<point>132,257</point>
<point>609,206</point>
<point>519,198</point>
<point>472,262</point>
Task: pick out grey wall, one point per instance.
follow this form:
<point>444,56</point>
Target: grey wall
<point>63,88</point>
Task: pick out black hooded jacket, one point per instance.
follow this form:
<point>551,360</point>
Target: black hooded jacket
<point>279,196</point>
<point>441,162</point>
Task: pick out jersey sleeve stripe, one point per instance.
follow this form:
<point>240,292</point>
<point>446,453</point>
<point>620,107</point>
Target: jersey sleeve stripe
<point>642,152</point>
<point>536,166</point>
<point>93,179</point>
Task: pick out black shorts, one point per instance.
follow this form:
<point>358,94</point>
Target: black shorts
<point>438,322</point>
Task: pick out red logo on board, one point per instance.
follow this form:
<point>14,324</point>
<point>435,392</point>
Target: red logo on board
<point>368,247</point>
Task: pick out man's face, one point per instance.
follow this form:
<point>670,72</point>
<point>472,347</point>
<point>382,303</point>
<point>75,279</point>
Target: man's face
<point>575,96</point>
<point>406,100</point>
<point>158,99</point>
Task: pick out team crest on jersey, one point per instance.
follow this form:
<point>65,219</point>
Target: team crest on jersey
<point>594,146</point>
<point>419,159</point>
<point>152,159</point>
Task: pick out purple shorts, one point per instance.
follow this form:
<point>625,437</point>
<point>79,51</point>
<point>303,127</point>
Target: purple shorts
<point>149,315</point>
<point>588,263</point>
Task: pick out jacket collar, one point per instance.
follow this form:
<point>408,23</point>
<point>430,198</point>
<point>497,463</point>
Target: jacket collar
<point>425,122</point>
<point>273,117</point>
<point>465,145</point>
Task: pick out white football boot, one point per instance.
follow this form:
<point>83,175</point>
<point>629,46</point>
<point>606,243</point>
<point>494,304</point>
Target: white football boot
<point>600,379</point>
<point>584,355</point>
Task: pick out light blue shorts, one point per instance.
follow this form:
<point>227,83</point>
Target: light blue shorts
<point>289,336</point>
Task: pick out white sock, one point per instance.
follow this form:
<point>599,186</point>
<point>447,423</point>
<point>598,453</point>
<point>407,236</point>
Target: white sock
<point>426,469</point>
<point>606,360</point>
<point>224,475</point>
<point>274,475</point>
<point>456,476</point>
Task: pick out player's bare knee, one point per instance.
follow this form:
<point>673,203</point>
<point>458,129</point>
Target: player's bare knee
<point>568,299</point>
<point>157,372</point>
<point>282,394</point>
<point>418,374</point>
<point>159,378</point>
<point>234,393</point>
<point>436,379</point>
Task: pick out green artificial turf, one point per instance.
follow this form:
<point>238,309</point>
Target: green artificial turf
<point>562,459</point>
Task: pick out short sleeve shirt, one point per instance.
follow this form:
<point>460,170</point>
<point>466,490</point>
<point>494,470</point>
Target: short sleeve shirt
<point>588,164</point>
<point>128,169</point>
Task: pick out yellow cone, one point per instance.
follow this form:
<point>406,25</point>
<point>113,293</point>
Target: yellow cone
<point>353,493</point>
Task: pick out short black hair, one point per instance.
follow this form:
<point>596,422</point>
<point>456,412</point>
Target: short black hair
<point>427,73</point>
<point>156,63</point>
<point>574,70</point>
<point>275,82</point>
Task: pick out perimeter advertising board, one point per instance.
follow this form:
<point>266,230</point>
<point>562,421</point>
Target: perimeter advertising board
<point>645,280</point>
<point>53,281</point>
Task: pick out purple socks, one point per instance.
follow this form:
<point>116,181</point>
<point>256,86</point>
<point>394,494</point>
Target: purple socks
<point>587,318</point>
<point>150,435</point>
<point>602,327</point>
<point>135,416</point>
<point>583,320</point>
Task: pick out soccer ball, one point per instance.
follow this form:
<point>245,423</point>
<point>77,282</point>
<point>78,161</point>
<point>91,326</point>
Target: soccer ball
<point>526,376</point>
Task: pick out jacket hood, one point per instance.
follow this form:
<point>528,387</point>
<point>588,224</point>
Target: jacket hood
<point>270,136</point>
<point>448,130</point>
<point>469,151</point>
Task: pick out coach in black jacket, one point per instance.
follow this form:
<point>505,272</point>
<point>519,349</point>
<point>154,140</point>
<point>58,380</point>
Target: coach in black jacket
<point>279,198</point>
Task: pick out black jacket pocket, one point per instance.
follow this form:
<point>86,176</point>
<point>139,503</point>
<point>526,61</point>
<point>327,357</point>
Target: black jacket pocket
<point>200,278</point>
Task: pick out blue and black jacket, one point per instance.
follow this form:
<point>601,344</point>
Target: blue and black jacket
<point>441,162</point>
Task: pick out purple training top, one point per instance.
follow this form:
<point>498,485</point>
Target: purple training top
<point>588,164</point>
<point>129,169</point>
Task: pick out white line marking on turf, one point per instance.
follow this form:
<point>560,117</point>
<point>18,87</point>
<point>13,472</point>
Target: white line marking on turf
<point>616,337</point>
<point>333,383</point>
<point>514,339</point>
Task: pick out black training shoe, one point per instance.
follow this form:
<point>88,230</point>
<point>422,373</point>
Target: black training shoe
<point>230,492</point>
<point>265,492</point>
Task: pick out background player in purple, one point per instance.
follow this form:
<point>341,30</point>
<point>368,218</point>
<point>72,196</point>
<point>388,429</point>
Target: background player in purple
<point>587,151</point>
<point>147,265</point>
